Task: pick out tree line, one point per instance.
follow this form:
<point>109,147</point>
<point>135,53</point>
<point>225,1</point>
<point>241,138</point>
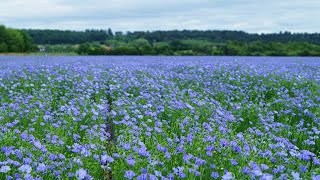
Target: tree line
<point>217,36</point>
<point>220,36</point>
<point>53,37</point>
<point>199,47</point>
<point>185,42</point>
<point>13,40</point>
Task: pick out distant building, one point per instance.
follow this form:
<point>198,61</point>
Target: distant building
<point>42,49</point>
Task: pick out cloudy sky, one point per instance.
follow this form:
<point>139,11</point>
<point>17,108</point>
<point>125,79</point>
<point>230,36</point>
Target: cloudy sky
<point>130,15</point>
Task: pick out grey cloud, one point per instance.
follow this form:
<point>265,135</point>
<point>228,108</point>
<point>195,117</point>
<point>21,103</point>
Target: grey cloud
<point>130,15</point>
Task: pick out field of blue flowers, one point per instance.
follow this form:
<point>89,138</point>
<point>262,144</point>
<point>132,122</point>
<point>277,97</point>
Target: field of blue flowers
<point>159,118</point>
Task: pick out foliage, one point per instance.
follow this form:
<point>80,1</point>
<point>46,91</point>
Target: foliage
<point>12,40</point>
<point>201,47</point>
<point>185,42</point>
<point>67,36</point>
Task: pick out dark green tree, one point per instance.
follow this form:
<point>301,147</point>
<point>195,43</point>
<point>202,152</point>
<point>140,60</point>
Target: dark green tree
<point>110,33</point>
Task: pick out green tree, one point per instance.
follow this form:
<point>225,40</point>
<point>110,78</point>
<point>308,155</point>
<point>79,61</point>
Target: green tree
<point>83,48</point>
<point>142,45</point>
<point>163,48</point>
<point>14,41</point>
<point>2,34</point>
<point>28,44</point>
<point>110,33</point>
<point>3,47</point>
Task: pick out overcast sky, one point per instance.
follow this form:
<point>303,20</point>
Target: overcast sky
<point>131,15</point>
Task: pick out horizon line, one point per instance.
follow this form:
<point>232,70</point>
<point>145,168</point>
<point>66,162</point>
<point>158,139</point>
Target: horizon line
<point>133,31</point>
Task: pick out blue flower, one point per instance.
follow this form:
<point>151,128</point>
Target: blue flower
<point>127,146</point>
<point>234,162</point>
<point>257,172</point>
<point>295,175</point>
<point>187,157</point>
<point>53,157</point>
<point>41,167</point>
<point>106,159</point>
<point>70,174</point>
<point>215,175</point>
<point>264,167</point>
<point>168,155</point>
<point>279,169</point>
<point>57,173</point>
<point>266,176</point>
<point>142,177</point>
<point>284,176</point>
<point>143,151</point>
<point>227,176</point>
<point>189,138</point>
<point>223,142</point>
<point>27,161</point>
<point>316,161</point>
<point>246,170</point>
<point>25,169</point>
<point>5,169</point>
<point>200,162</point>
<point>181,174</point>
<point>153,177</point>
<point>180,149</point>
<point>17,175</point>
<point>7,150</point>
<point>303,168</point>
<point>131,161</point>
<point>210,148</point>
<point>161,148</point>
<point>81,174</point>
<point>171,176</point>
<point>316,177</point>
<point>129,174</point>
<point>28,177</point>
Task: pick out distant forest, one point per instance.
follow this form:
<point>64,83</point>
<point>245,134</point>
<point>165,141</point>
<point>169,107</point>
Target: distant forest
<point>217,36</point>
<point>184,42</point>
